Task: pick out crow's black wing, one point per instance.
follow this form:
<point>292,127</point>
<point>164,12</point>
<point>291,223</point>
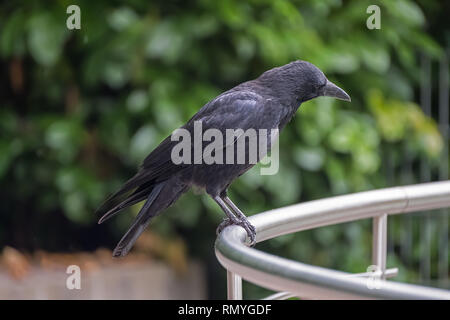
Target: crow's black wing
<point>232,110</point>
<point>240,110</point>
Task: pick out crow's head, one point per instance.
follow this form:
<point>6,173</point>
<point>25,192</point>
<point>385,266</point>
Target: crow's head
<point>303,80</point>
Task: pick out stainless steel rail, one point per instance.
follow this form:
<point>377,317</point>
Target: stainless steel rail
<point>302,280</point>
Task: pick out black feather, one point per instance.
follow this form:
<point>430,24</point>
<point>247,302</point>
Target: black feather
<point>268,102</point>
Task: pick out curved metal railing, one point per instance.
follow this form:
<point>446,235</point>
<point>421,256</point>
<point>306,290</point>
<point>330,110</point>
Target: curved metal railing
<point>298,279</point>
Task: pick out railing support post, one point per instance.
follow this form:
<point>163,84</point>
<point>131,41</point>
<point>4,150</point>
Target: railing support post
<point>379,243</point>
<point>234,286</point>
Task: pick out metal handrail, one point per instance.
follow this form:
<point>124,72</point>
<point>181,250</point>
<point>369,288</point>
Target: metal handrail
<point>303,280</point>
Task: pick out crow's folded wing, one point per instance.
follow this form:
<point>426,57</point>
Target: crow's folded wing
<point>233,110</point>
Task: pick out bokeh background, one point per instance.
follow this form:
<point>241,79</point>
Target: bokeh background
<point>80,109</point>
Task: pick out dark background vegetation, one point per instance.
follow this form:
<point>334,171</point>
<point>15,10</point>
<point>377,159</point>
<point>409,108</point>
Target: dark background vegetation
<point>80,109</point>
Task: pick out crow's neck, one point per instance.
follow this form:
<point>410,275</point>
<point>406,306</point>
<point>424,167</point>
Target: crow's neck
<point>283,91</point>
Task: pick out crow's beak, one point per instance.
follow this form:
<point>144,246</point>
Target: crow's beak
<point>332,90</point>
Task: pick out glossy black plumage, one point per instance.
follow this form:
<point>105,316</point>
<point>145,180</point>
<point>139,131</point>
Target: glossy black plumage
<point>268,102</point>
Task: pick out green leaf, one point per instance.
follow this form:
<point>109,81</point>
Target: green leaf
<point>46,37</point>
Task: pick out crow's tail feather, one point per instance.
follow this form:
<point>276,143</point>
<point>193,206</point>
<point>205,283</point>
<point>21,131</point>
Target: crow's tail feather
<point>161,197</point>
<point>139,183</point>
<point>137,196</point>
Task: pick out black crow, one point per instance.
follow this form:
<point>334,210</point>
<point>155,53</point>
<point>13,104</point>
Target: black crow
<point>268,102</point>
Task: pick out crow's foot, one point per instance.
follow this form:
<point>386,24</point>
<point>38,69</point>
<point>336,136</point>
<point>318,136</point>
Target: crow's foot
<point>249,228</point>
<point>225,223</point>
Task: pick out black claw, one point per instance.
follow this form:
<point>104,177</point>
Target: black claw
<point>251,232</point>
<point>225,223</point>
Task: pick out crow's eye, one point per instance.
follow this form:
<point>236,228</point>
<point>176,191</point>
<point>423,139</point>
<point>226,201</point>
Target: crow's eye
<point>320,87</point>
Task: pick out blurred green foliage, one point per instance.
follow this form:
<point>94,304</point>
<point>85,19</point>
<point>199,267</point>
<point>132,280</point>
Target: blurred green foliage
<point>81,109</point>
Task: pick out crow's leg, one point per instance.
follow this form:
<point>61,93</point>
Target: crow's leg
<point>243,221</point>
<point>233,207</point>
<point>231,218</point>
